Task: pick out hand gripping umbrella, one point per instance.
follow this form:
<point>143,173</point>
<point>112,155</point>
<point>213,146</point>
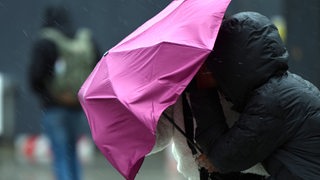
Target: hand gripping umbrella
<point>145,73</point>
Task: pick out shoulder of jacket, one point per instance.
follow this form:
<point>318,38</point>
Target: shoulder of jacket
<point>84,33</point>
<point>51,33</point>
<point>265,99</point>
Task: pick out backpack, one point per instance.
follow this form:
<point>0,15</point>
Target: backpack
<point>74,64</point>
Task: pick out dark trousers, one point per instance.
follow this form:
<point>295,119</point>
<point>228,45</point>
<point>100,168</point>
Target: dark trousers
<point>278,171</point>
<point>237,176</point>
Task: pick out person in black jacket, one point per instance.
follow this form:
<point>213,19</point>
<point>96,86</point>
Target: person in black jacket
<point>207,109</point>
<point>62,57</point>
<point>279,123</point>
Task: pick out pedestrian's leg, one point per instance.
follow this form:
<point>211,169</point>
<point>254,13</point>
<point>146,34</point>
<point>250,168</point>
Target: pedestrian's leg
<point>55,129</point>
<point>75,119</point>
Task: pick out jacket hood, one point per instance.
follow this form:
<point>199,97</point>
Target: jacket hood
<point>58,17</point>
<point>247,53</point>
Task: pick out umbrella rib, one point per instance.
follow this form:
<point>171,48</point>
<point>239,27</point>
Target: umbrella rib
<point>195,145</point>
<point>182,43</point>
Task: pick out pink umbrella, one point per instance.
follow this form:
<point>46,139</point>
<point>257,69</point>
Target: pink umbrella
<point>145,73</point>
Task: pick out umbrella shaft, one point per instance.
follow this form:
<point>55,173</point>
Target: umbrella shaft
<point>182,132</point>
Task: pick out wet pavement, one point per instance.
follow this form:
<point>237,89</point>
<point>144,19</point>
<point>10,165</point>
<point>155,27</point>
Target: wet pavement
<point>155,167</point>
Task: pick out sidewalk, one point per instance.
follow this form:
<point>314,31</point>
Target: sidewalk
<point>100,169</point>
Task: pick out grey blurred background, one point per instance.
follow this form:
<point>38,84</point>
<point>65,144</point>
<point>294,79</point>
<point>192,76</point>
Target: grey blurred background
<point>111,21</point>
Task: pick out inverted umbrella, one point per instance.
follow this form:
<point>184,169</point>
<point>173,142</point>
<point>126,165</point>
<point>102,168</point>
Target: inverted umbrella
<point>145,73</point>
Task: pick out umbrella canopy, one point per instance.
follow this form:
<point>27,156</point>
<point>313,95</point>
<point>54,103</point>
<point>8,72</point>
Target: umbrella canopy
<point>145,73</point>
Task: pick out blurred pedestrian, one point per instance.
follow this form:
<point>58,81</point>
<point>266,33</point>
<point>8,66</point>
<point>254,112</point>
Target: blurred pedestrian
<point>62,58</point>
<point>279,123</point>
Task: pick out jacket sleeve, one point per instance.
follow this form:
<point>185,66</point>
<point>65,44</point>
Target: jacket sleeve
<point>257,133</point>
<point>210,119</point>
<point>43,56</point>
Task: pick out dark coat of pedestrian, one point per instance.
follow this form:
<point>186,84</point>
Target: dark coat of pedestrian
<point>279,123</point>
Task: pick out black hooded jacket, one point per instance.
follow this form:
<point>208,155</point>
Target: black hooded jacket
<point>279,123</point>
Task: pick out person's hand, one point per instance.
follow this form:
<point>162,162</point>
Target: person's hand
<point>204,162</point>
